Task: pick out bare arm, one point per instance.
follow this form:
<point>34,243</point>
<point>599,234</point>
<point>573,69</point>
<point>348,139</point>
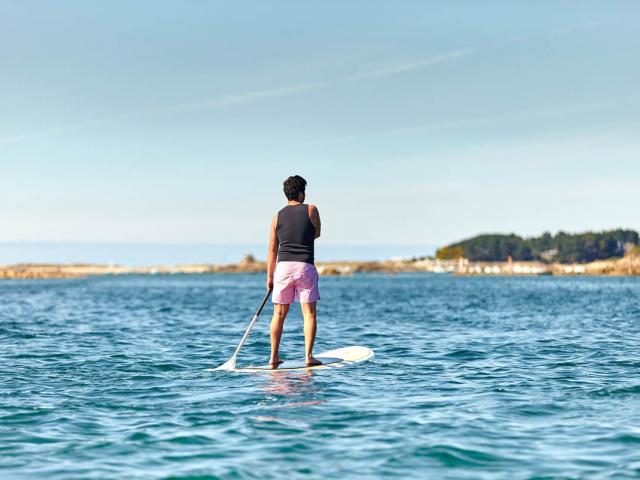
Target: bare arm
<point>314,216</point>
<point>272,253</point>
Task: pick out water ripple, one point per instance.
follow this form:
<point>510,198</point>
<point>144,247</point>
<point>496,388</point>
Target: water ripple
<point>473,378</point>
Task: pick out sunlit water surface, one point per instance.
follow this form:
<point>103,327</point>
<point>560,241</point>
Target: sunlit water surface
<point>473,378</point>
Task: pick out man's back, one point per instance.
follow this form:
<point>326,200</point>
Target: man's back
<point>290,269</point>
<point>296,234</point>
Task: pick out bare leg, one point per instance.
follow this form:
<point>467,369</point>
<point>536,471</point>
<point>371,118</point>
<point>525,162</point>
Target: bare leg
<point>310,327</point>
<point>280,311</point>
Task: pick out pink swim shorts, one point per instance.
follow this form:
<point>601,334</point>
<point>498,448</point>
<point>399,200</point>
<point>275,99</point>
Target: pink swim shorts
<point>297,280</point>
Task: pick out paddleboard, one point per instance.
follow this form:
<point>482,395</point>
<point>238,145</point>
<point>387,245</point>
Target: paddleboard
<point>338,358</point>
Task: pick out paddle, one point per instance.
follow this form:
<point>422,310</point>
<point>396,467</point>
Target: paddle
<point>230,364</point>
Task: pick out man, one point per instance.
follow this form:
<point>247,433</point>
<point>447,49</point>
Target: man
<point>290,268</point>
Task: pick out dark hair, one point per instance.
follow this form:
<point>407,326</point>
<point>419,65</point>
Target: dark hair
<point>294,186</point>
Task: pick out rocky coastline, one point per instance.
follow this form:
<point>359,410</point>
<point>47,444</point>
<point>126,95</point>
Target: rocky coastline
<point>629,265</point>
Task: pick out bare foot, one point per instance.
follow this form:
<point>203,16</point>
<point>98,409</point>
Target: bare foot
<point>275,364</point>
<point>312,362</point>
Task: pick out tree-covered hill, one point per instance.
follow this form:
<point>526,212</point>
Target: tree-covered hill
<point>562,247</point>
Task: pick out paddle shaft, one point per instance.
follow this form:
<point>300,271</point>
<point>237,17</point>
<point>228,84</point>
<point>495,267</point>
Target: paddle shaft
<point>253,321</point>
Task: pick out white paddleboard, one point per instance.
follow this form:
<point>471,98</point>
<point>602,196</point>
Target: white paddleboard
<point>337,358</point>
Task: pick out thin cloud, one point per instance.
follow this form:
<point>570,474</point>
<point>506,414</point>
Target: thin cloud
<point>308,87</point>
<point>253,96</point>
<point>287,90</point>
<point>26,136</point>
<point>240,98</point>
<point>53,131</point>
<point>407,67</point>
<point>559,32</point>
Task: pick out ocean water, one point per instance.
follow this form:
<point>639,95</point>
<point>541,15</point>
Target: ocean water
<point>473,378</point>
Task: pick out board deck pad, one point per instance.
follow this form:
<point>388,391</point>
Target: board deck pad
<point>337,358</point>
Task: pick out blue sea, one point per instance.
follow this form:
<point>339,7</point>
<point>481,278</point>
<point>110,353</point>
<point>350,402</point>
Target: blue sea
<point>474,378</point>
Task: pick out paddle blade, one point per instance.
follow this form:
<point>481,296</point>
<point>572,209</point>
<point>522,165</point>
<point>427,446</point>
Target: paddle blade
<point>228,366</point>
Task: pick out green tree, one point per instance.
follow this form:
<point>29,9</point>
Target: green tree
<point>562,247</point>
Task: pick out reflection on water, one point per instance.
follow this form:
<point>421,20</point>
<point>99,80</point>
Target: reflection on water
<point>289,384</point>
<point>290,390</point>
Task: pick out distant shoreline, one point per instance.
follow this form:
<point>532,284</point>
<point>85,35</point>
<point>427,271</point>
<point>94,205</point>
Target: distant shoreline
<point>155,253</point>
<point>627,266</point>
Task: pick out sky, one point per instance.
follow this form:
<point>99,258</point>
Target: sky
<point>415,123</point>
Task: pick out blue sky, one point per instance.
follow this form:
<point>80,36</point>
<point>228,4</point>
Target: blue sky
<point>415,123</point>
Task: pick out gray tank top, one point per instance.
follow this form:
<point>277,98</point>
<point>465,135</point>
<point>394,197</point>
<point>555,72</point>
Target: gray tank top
<point>296,234</point>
